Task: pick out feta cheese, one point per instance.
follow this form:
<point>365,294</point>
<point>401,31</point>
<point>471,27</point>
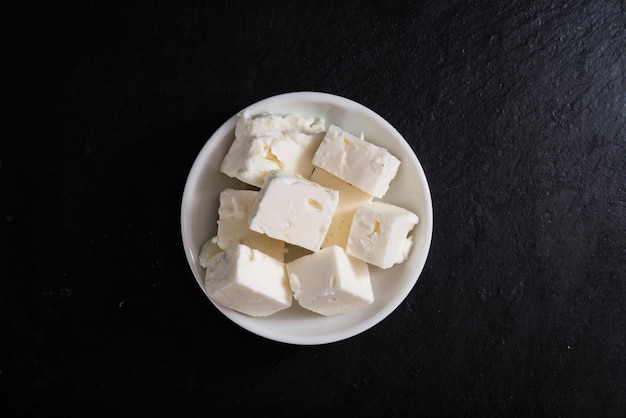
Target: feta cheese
<point>293,209</point>
<point>350,198</point>
<point>269,142</point>
<point>232,225</point>
<point>248,281</point>
<point>271,124</point>
<point>378,234</point>
<point>330,282</point>
<point>356,161</point>
<point>316,199</point>
<point>208,250</point>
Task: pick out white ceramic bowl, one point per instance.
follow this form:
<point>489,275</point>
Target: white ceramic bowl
<point>409,189</point>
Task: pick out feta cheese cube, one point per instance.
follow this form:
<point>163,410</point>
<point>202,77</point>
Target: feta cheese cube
<point>248,281</point>
<point>232,225</point>
<point>350,198</point>
<point>356,161</point>
<point>330,282</point>
<point>293,209</point>
<point>270,142</point>
<point>270,124</point>
<point>378,234</point>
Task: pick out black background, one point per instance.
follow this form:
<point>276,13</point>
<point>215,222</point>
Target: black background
<point>516,110</point>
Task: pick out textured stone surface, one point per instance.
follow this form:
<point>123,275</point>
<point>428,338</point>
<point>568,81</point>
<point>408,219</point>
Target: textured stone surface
<point>516,110</point>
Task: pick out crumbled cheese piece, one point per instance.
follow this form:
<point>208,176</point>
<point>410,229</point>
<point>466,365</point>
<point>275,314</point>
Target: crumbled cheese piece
<point>270,142</point>
<point>208,250</point>
<point>293,209</point>
<point>248,281</point>
<point>232,225</point>
<point>356,161</point>
<point>330,282</point>
<point>350,198</point>
<point>378,234</point>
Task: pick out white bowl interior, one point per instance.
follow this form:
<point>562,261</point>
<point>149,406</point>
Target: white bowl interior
<point>409,189</point>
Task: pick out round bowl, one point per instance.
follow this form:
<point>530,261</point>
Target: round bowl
<point>409,189</point>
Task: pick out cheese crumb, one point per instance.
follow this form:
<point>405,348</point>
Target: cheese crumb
<point>208,250</point>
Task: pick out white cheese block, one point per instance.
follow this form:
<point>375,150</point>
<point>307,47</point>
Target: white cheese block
<point>248,281</point>
<point>232,225</point>
<point>208,250</point>
<point>379,234</point>
<point>330,282</point>
<point>263,124</point>
<point>350,198</point>
<point>356,161</point>
<point>293,209</point>
<point>270,142</point>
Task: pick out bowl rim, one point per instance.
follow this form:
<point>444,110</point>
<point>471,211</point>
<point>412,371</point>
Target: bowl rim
<point>394,303</point>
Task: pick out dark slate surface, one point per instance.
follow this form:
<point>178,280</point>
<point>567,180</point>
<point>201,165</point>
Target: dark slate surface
<point>516,110</point>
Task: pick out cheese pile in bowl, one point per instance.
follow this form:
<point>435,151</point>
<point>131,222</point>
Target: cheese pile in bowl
<point>313,191</point>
